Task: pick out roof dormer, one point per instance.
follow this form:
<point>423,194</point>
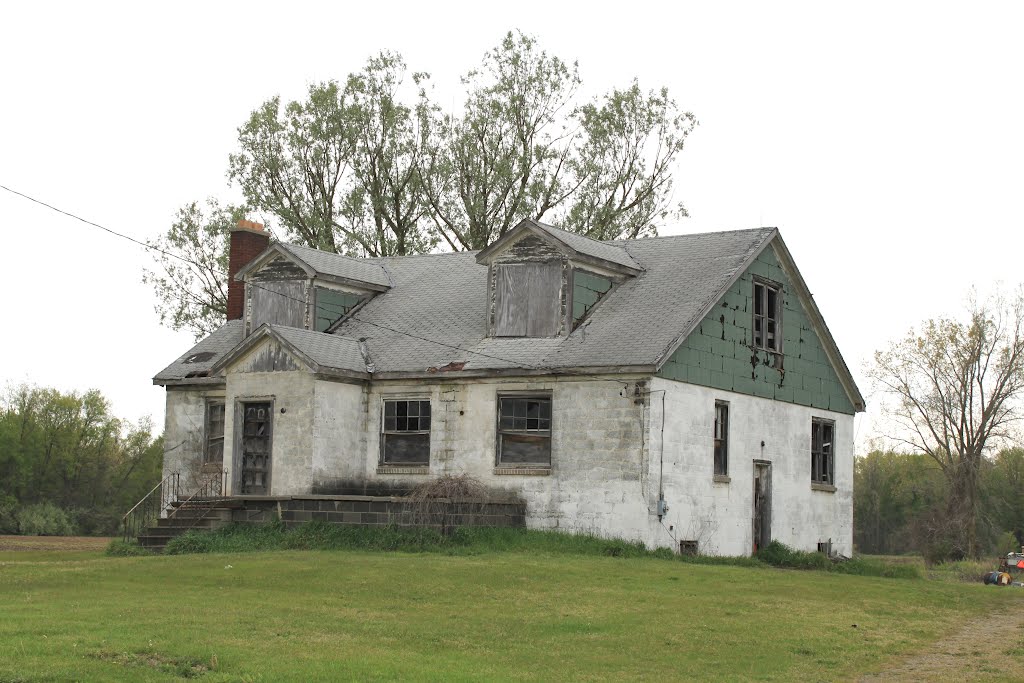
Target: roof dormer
<point>306,288</point>
<point>543,281</point>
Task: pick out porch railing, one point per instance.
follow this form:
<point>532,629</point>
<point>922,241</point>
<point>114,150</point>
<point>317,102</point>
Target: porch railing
<point>204,499</point>
<point>145,513</point>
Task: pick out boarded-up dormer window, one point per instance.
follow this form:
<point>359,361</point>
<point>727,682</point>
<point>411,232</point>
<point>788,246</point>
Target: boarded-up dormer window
<point>527,299</point>
<point>281,302</point>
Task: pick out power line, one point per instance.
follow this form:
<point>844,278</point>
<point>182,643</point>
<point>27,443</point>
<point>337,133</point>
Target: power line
<point>519,364</point>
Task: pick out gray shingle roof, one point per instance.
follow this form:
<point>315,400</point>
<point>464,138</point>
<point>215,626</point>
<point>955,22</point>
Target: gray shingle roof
<point>434,313</point>
<point>326,263</point>
<point>607,251</point>
<point>204,354</point>
<point>326,350</point>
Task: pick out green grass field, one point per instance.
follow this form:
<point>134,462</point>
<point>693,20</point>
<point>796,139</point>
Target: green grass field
<point>371,615</point>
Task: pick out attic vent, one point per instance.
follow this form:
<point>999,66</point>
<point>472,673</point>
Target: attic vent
<point>200,357</point>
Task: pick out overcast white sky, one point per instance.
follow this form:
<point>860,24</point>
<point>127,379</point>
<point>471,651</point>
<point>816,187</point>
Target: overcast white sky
<point>885,140</point>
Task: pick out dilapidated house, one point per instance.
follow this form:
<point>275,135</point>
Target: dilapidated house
<point>683,391</point>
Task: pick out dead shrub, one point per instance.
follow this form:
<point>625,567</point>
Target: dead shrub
<point>447,502</point>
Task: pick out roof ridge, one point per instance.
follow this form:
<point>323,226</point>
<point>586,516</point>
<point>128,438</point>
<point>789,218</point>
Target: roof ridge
<point>688,234</point>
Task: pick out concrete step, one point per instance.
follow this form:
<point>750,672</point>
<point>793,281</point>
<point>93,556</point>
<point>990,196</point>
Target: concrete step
<point>201,513</point>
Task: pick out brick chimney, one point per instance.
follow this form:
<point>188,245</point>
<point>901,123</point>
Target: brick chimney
<point>248,241</point>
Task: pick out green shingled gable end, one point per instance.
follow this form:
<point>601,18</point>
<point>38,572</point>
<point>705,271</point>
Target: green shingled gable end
<point>718,354</point>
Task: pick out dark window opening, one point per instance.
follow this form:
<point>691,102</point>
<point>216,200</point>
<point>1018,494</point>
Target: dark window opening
<point>214,451</point>
<point>767,321</point>
<point>405,432</point>
<point>721,438</point>
<point>524,431</point>
<point>822,457</point>
<point>332,306</point>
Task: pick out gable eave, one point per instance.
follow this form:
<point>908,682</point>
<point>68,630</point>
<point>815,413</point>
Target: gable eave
<point>263,333</point>
<point>807,300</point>
<point>275,249</point>
<point>713,300</point>
<point>836,359</point>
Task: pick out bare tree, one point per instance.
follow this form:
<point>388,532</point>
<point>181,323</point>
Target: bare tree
<point>954,390</point>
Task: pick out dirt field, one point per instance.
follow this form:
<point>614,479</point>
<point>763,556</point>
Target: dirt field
<point>37,543</point>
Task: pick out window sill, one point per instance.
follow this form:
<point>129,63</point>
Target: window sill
<point>403,469</point>
<point>827,488</point>
<point>527,471</point>
<point>721,479</point>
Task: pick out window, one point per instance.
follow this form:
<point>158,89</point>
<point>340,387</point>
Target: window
<point>214,432</point>
<point>524,431</point>
<point>822,458</point>
<point>527,300</point>
<point>721,438</point>
<point>405,432</point>
<point>332,306</point>
<point>767,322</point>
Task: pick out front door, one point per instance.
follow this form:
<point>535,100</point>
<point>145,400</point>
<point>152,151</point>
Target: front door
<point>255,466</point>
<point>762,504</point>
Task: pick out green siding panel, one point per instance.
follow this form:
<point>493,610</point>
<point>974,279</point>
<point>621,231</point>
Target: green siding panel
<point>716,354</point>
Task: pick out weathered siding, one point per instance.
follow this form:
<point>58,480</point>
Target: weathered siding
<point>184,434</point>
<point>280,302</point>
<point>339,430</point>
<point>718,353</point>
<point>291,456</point>
<point>718,514</point>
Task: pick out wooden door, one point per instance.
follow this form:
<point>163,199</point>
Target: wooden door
<point>254,479</point>
<point>762,518</point>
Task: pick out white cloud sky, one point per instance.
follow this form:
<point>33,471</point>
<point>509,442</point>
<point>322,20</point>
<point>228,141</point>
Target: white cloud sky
<point>885,140</point>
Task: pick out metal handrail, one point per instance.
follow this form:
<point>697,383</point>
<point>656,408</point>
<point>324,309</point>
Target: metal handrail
<point>150,507</point>
<point>206,494</point>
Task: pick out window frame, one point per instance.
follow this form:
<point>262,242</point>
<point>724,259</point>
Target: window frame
<point>766,285</point>
<point>501,432</point>
<point>385,432</point>
<point>823,456</point>
<point>724,438</point>
<point>208,438</point>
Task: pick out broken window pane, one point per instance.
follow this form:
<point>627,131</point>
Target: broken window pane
<point>405,437</point>
<point>822,458</point>
<point>524,431</point>
<point>766,320</point>
<point>721,438</point>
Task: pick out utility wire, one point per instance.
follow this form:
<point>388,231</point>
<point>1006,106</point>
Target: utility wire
<point>258,286</point>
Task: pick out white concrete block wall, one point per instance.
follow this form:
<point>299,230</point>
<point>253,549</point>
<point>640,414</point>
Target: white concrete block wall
<point>719,515</point>
<point>184,433</point>
<point>292,399</point>
<point>596,459</point>
<point>607,452</point>
<point>339,434</point>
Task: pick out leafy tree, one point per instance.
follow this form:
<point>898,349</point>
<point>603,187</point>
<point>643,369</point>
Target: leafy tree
<point>340,169</point>
<point>66,451</point>
<point>371,166</point>
<point>190,279</point>
<point>953,390</point>
<point>523,149</point>
<point>1003,492</point>
<point>894,495</point>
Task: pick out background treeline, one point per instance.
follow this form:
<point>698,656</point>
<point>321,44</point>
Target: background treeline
<point>901,505</point>
<point>67,466</point>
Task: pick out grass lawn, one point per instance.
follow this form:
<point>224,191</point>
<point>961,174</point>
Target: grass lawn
<point>328,615</point>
